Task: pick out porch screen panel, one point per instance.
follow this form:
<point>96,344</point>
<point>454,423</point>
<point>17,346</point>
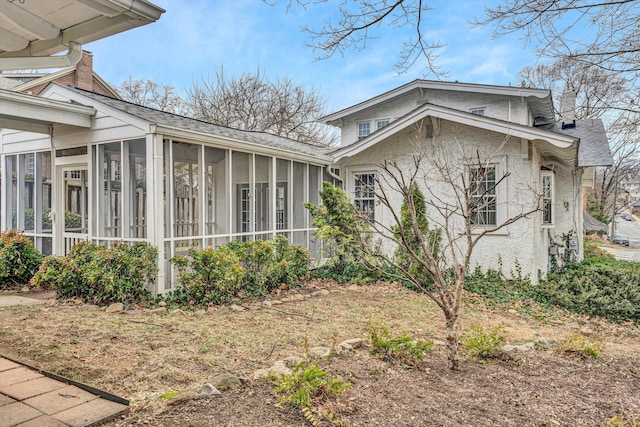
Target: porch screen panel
<point>43,182</point>
<point>26,175</point>
<point>264,186</point>
<point>299,198</point>
<point>215,163</point>
<point>240,184</point>
<point>11,165</point>
<point>110,159</point>
<point>282,194</point>
<point>314,198</point>
<point>137,181</point>
<point>186,189</point>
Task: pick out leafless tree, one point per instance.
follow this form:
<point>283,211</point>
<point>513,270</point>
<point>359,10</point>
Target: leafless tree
<point>358,22</point>
<point>151,94</point>
<point>252,102</point>
<point>603,33</point>
<point>459,186</point>
<point>598,92</point>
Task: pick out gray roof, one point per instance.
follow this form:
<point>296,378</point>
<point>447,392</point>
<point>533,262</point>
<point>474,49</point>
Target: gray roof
<point>594,146</point>
<point>163,118</point>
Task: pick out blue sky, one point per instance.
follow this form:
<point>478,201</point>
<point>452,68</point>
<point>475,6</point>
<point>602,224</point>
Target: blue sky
<point>195,37</point>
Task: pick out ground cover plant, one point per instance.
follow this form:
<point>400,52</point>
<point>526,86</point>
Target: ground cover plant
<point>144,353</point>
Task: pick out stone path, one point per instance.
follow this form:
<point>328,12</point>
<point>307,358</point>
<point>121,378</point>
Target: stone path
<point>9,300</point>
<point>29,398</point>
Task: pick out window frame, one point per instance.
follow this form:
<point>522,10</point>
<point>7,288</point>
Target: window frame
<point>499,163</point>
<point>551,197</point>
<point>361,135</point>
<point>385,122</point>
<point>479,111</point>
<point>352,189</point>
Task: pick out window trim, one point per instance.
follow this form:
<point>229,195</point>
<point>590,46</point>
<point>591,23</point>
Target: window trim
<point>552,197</point>
<point>351,186</point>
<point>502,202</point>
<point>358,124</point>
<point>386,122</point>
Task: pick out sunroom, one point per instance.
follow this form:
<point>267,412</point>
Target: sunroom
<point>138,174</point>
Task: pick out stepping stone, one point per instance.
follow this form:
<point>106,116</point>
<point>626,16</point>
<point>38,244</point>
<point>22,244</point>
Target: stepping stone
<point>16,413</point>
<point>60,399</point>
<point>90,412</point>
<point>18,375</point>
<point>27,389</point>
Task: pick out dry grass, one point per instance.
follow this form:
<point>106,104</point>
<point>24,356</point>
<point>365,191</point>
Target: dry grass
<point>140,353</point>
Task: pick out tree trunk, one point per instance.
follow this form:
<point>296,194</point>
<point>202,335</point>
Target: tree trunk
<point>453,339</point>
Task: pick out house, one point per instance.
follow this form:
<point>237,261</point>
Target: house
<point>132,174</point>
<point>528,161</point>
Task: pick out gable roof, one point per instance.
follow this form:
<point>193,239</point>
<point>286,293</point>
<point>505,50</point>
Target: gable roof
<point>539,99</point>
<point>167,122</point>
<point>556,139</point>
<point>41,79</point>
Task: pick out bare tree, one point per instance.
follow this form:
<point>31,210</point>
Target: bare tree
<point>151,94</point>
<point>252,102</point>
<point>459,186</point>
<point>600,33</point>
<point>358,22</point>
<point>598,91</point>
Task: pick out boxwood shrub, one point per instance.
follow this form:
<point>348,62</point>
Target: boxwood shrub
<point>240,269</point>
<point>100,275</point>
<point>19,259</point>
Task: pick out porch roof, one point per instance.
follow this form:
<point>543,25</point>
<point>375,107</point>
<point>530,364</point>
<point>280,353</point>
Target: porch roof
<point>173,121</point>
<point>35,114</point>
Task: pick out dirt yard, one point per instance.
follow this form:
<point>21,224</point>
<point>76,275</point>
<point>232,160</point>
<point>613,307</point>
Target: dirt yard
<point>142,353</point>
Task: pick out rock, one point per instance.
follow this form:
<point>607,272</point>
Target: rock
<point>279,368</point>
<point>158,310</point>
<point>284,287</point>
<point>236,307</point>
<point>353,287</point>
<point>196,392</point>
<point>512,311</point>
<point>226,382</point>
<point>115,307</point>
<point>260,374</point>
<point>162,304</point>
<point>320,351</point>
<point>354,342</point>
<point>286,299</point>
<point>587,332</point>
<point>292,361</point>
<point>324,292</point>
<point>25,289</point>
<point>524,347</point>
<point>200,312</point>
<point>276,302</point>
<point>344,347</point>
<point>266,304</point>
<point>541,343</point>
<point>439,343</point>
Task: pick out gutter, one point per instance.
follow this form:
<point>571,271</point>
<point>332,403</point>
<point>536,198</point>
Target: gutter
<point>72,57</point>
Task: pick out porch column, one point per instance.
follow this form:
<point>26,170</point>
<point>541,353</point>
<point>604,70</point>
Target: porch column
<point>155,205</point>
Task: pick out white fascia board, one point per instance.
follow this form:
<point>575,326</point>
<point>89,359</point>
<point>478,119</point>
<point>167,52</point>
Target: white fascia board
<point>238,145</point>
<point>474,120</point>
<point>430,84</point>
<point>18,107</point>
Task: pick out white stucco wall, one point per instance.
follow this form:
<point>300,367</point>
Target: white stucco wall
<point>523,244</point>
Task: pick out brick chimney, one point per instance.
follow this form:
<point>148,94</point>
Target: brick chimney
<point>83,78</point>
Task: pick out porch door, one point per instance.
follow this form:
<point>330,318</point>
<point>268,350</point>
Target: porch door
<point>73,206</point>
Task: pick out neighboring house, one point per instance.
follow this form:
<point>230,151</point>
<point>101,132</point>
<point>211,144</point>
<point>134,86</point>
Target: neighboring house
<point>137,174</point>
<point>80,75</point>
<point>515,132</point>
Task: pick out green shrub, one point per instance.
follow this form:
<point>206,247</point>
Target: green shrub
<point>596,287</point>
<point>400,349</point>
<point>210,275</point>
<point>481,344</point>
<point>581,346</point>
<point>100,275</point>
<point>19,259</point>
<point>493,285</point>
<point>308,384</point>
<point>240,269</point>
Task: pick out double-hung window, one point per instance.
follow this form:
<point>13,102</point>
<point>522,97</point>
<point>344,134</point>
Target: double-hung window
<point>483,195</point>
<point>364,129</point>
<point>548,213</point>
<point>364,194</point>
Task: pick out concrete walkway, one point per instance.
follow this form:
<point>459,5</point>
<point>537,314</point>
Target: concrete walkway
<point>10,300</point>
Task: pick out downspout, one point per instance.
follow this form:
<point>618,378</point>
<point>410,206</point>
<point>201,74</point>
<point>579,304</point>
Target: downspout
<point>39,62</point>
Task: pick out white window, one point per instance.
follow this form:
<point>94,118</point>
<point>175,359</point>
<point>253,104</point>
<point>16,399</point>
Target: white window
<point>364,194</point>
<point>483,195</point>
<point>381,123</point>
<point>479,111</point>
<point>364,129</point>
<point>548,211</point>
